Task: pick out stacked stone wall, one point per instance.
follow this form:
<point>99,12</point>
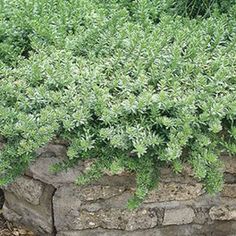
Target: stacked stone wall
<point>51,204</point>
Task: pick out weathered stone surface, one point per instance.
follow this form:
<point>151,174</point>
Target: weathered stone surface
<point>229,163</point>
<point>175,191</point>
<point>215,229</point>
<point>37,217</point>
<point>77,195</point>
<point>52,150</point>
<point>92,193</point>
<point>229,190</point>
<point>201,215</point>
<point>27,188</point>
<point>40,170</point>
<point>10,215</point>
<point>179,216</point>
<point>110,219</point>
<point>229,178</point>
<point>223,213</point>
<point>24,215</point>
<point>118,201</point>
<point>66,200</point>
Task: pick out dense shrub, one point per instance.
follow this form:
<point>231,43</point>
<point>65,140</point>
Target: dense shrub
<point>127,83</point>
<point>205,8</point>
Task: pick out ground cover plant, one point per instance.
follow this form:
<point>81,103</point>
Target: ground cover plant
<point>134,85</point>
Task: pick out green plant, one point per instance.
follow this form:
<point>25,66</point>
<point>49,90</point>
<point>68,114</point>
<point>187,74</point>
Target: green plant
<point>194,8</point>
<point>128,85</point>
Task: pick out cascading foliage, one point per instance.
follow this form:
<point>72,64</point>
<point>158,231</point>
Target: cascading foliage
<point>129,84</point>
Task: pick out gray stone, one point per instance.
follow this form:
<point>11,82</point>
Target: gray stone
<point>215,229</point>
<point>27,188</point>
<point>79,195</point>
<point>36,217</point>
<point>175,191</point>
<point>33,220</point>
<point>223,213</point>
<point>10,215</point>
<point>52,150</point>
<point>118,201</point>
<point>66,200</point>
<point>229,163</point>
<point>40,170</point>
<point>201,215</point>
<point>92,193</point>
<point>179,216</point>
<point>109,219</point>
<point>143,219</point>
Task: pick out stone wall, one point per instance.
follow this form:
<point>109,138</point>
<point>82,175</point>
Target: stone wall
<point>51,204</point>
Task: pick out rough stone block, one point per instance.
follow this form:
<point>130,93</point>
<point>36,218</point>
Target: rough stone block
<point>38,217</point>
<point>229,190</point>
<point>201,215</point>
<point>52,150</point>
<point>179,216</point>
<point>223,213</point>
<point>174,192</point>
<point>27,188</point>
<point>109,219</point>
<point>229,163</point>
<point>77,195</point>
<point>10,215</point>
<point>23,215</point>
<point>92,193</point>
<point>40,170</point>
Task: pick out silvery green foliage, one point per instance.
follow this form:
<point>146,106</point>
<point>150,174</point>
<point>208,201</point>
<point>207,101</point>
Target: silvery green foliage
<point>125,82</point>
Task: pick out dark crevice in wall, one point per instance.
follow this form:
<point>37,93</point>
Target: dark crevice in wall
<point>2,220</point>
<point>1,198</point>
<point>52,210</point>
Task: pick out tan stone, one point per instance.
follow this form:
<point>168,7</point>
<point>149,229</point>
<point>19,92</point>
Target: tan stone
<point>223,213</point>
<point>175,192</point>
<point>229,190</point>
<point>178,216</point>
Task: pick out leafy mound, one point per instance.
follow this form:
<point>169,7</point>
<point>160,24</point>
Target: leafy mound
<point>127,83</point>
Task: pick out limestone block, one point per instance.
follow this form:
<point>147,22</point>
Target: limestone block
<point>179,216</point>
<point>27,188</point>
<point>223,213</point>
